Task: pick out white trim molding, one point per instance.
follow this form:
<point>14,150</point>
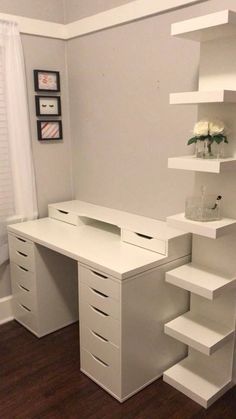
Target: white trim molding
<point>134,10</point>
<point>6,313</point>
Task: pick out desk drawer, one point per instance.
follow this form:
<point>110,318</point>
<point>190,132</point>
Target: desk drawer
<point>100,282</point>
<point>25,316</point>
<point>61,215</point>
<point>21,252</point>
<point>23,296</point>
<point>142,240</point>
<point>100,300</point>
<point>104,374</point>
<point>102,348</point>
<point>101,323</point>
<point>23,276</point>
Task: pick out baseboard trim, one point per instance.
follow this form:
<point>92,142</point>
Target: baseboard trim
<point>6,313</point>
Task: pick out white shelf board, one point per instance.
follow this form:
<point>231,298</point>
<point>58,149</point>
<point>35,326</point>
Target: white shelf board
<point>201,385</point>
<point>198,280</point>
<point>202,96</point>
<point>211,229</point>
<point>202,165</point>
<point>208,27</point>
<point>199,332</point>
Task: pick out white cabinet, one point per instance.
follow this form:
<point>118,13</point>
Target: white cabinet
<point>122,344</point>
<point>44,286</point>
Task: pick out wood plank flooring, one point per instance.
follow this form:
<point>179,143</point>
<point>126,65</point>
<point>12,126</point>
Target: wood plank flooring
<point>40,379</point>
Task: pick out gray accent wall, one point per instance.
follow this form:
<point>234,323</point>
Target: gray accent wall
<point>52,160</point>
<point>50,10</point>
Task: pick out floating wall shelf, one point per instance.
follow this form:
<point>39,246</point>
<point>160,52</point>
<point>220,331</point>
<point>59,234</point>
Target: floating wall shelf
<point>199,332</point>
<point>201,96</point>
<point>211,229</point>
<point>202,165</point>
<point>200,281</point>
<point>197,381</point>
<point>205,28</point>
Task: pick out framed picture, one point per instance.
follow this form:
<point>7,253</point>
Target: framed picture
<point>45,80</point>
<point>48,105</point>
<point>49,130</point>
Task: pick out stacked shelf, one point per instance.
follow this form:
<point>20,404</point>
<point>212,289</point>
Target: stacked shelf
<point>200,281</point>
<point>208,328</point>
<point>206,372</point>
<point>212,229</point>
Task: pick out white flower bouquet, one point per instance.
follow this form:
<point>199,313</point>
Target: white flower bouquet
<point>212,131</point>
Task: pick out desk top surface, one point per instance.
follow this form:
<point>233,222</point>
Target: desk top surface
<point>95,245</point>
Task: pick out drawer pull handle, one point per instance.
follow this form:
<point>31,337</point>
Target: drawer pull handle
<point>23,288</point>
<point>63,212</point>
<point>99,360</point>
<point>99,336</point>
<point>98,274</point>
<point>22,254</point>
<point>100,311</point>
<point>22,268</point>
<point>21,240</point>
<point>24,307</point>
<point>144,236</point>
<point>99,293</point>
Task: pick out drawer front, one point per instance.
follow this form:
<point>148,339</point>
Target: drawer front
<point>141,240</point>
<point>100,282</point>
<point>61,215</point>
<point>102,373</point>
<point>24,316</point>
<point>23,276</point>
<point>21,252</point>
<point>23,296</point>
<point>100,300</point>
<point>100,347</point>
<point>101,323</point>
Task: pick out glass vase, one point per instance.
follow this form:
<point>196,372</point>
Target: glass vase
<point>212,150</point>
<point>199,149</point>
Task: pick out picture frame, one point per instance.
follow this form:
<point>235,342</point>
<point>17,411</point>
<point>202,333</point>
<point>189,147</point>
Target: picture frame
<point>48,105</point>
<point>49,130</point>
<point>46,81</point>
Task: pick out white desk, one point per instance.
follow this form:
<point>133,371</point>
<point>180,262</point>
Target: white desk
<point>123,299</point>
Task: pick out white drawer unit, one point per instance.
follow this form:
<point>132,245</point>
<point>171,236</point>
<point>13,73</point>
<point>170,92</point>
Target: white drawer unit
<point>99,346</point>
<point>25,316</point>
<point>63,215</point>
<point>142,240</point>
<point>100,282</point>
<point>99,321</point>
<point>104,374</point>
<point>42,300</point>
<point>23,276</point>
<point>100,300</point>
<point>121,339</point>
<point>23,295</point>
<point>22,252</point>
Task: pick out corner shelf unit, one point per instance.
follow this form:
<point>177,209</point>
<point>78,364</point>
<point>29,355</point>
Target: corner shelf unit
<point>208,328</point>
<point>195,164</point>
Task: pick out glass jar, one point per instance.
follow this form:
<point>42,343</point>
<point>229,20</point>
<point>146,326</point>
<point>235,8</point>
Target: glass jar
<point>203,208</point>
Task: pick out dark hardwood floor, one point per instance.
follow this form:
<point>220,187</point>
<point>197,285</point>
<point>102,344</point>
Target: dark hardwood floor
<point>40,378</point>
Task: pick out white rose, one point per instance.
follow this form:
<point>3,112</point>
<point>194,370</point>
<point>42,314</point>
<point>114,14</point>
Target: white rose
<point>201,128</point>
<point>216,127</point>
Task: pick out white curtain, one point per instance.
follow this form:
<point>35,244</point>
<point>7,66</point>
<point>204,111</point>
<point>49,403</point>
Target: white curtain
<point>17,181</point>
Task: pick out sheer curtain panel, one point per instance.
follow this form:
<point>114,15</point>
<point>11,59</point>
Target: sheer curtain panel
<point>17,181</point>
